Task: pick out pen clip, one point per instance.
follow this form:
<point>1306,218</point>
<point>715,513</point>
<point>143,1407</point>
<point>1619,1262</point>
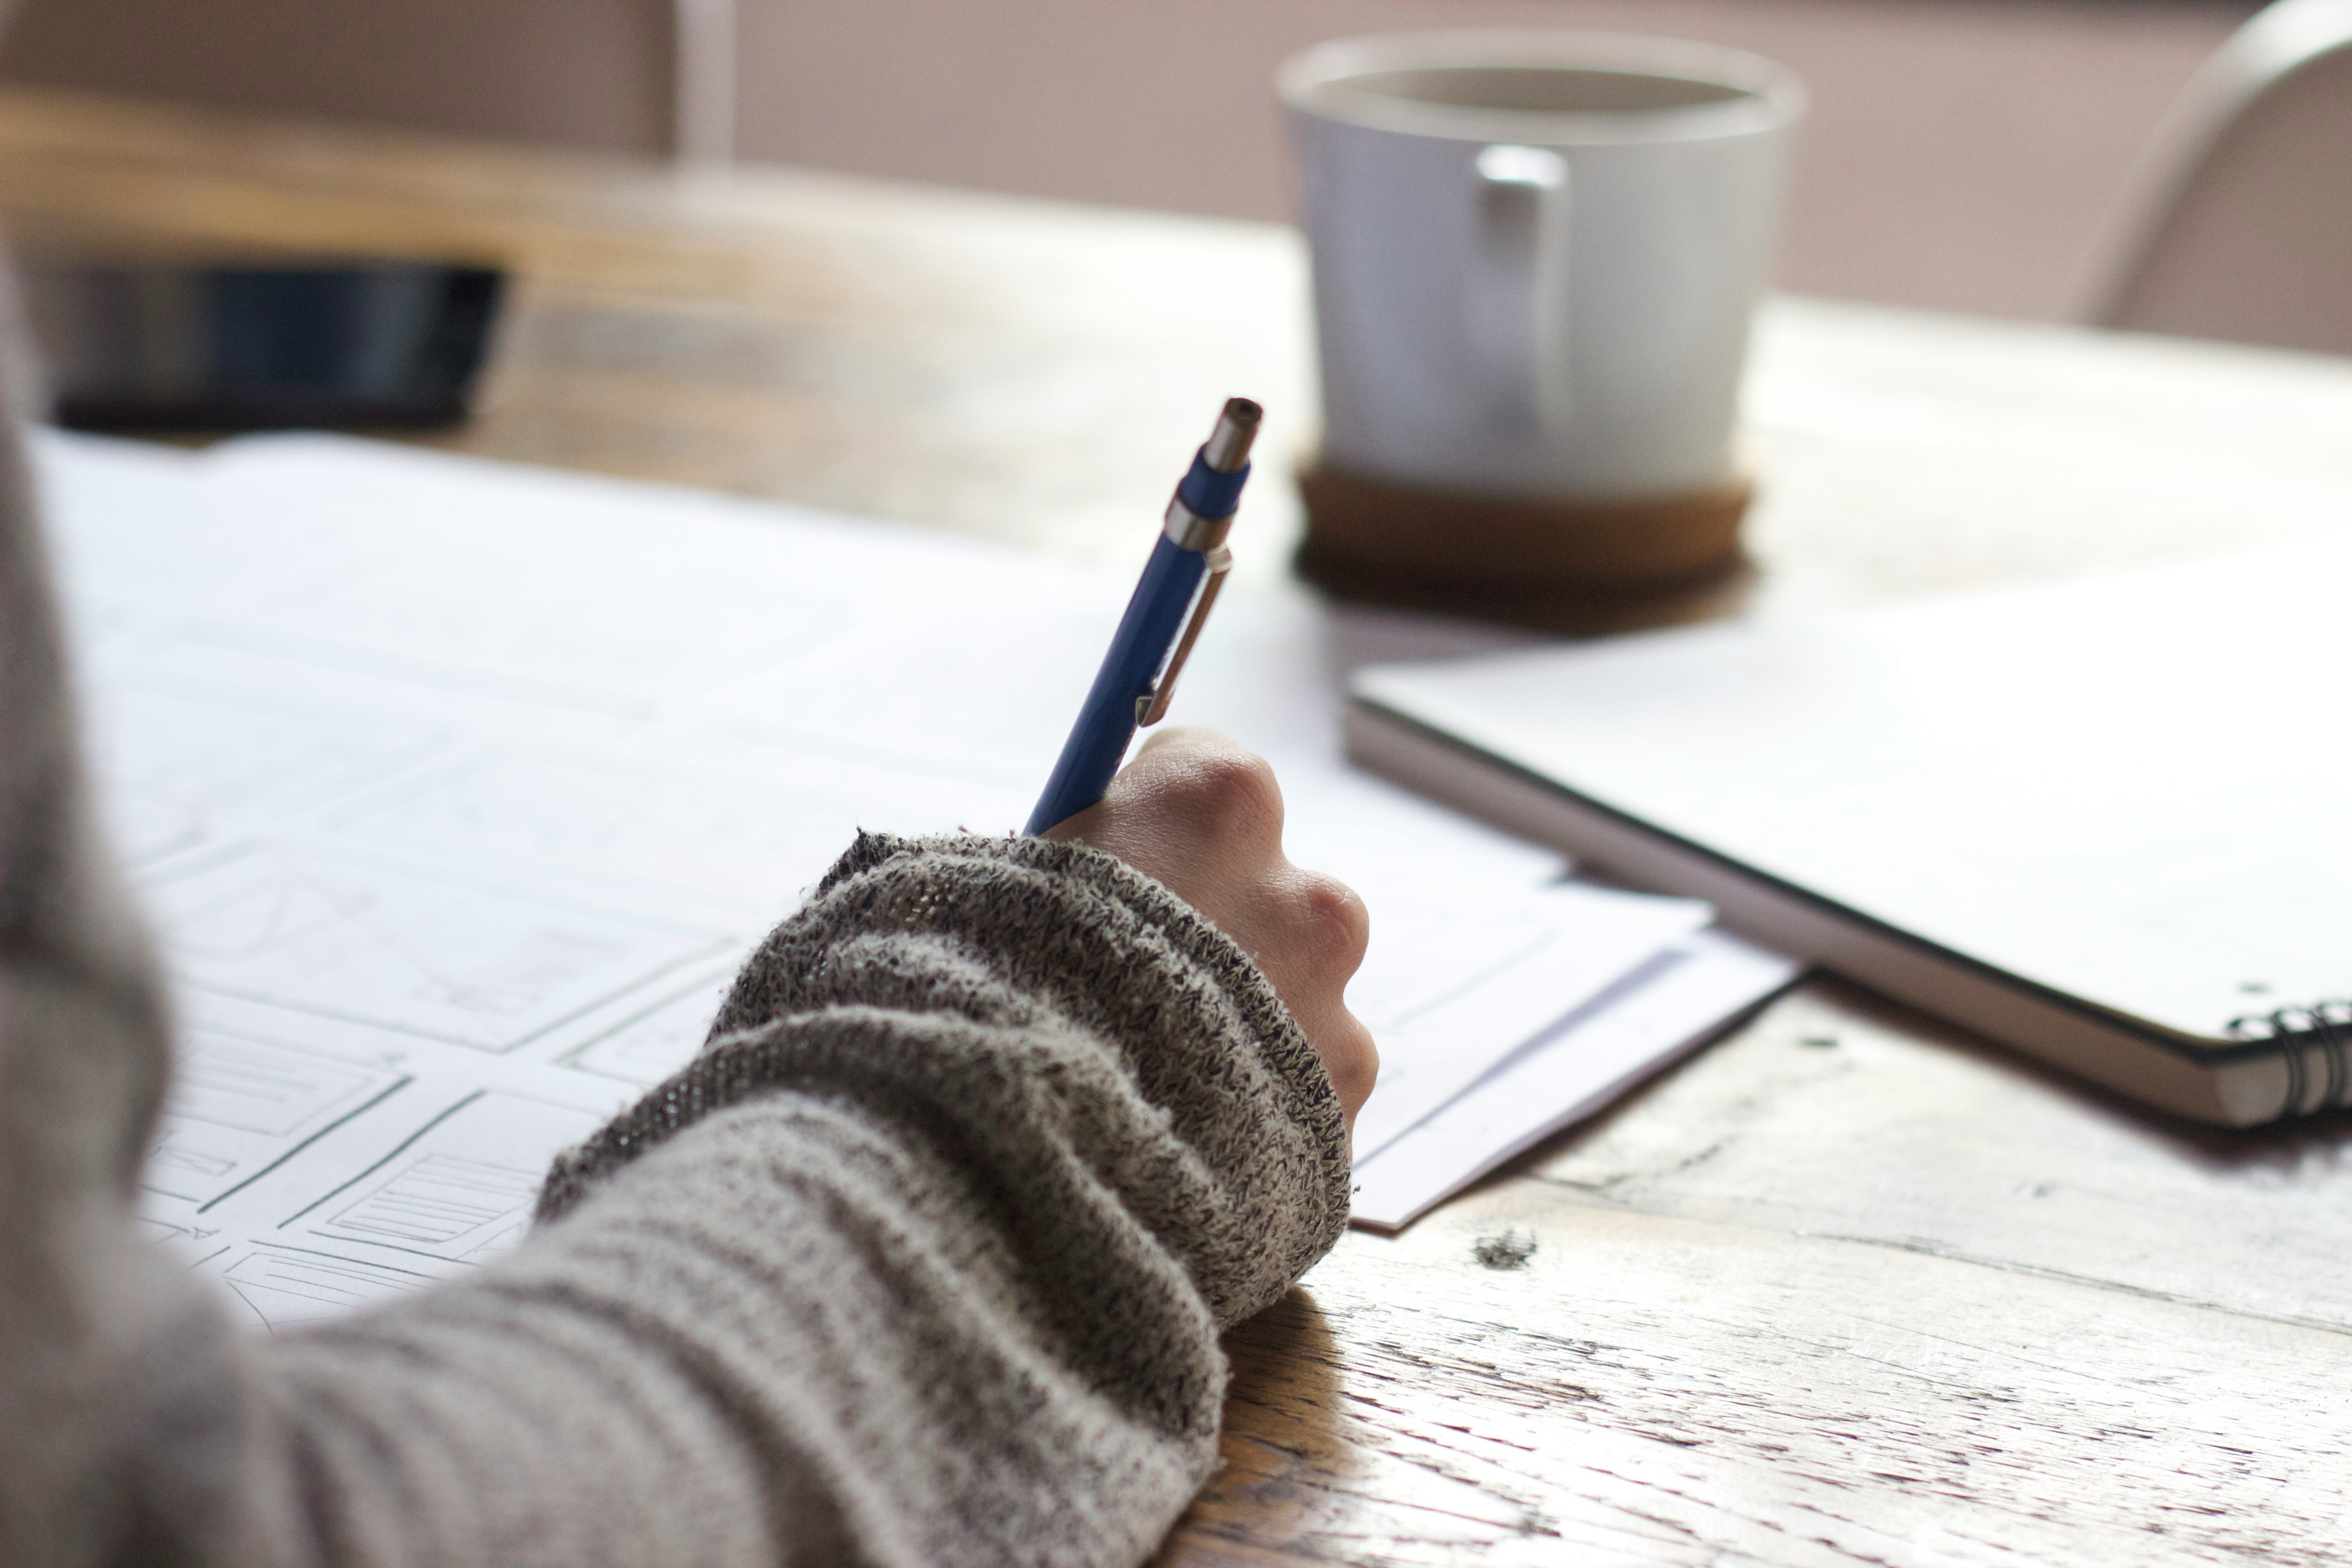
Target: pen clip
<point>1152,706</point>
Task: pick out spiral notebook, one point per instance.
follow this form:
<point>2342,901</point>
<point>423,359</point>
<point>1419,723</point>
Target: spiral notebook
<point>2107,821</point>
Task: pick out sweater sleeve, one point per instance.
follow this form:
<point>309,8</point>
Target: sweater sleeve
<point>921,1261</point>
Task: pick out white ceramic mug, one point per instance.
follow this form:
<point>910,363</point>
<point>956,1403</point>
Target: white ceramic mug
<point>1536,255</point>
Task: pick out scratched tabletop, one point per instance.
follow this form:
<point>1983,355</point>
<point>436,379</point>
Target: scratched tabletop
<point>1850,1287</point>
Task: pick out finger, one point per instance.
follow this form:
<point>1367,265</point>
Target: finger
<point>1352,1059</point>
<point>1308,932</point>
<point>1183,736</point>
<point>1334,927</point>
<point>1087,826</point>
<point>1209,786</point>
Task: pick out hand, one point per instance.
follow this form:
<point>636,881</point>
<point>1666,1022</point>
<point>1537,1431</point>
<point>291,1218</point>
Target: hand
<point>1204,818</point>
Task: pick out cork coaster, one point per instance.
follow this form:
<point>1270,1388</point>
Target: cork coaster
<point>1560,564</point>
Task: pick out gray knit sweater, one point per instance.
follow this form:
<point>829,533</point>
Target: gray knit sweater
<point>922,1261</point>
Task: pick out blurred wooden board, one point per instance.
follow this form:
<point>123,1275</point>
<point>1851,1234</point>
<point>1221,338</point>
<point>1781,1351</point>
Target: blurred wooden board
<point>1002,368</point>
<point>1846,1288</point>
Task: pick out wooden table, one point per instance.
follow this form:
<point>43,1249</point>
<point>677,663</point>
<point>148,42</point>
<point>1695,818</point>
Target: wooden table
<point>1849,1287</point>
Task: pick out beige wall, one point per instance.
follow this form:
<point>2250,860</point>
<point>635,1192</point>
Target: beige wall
<point>590,73</point>
<point>1963,153</point>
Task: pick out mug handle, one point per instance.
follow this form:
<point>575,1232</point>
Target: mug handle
<point>1517,299</point>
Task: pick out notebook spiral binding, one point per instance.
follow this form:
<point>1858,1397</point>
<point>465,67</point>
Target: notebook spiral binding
<point>2320,1038</point>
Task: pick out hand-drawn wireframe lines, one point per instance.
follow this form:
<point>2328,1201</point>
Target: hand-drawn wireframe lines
<point>650,1044</point>
<point>281,1285</point>
<point>195,1244</point>
<point>471,964</point>
<point>735,841</point>
<point>550,608</point>
<point>439,1201</point>
<point>176,767</point>
<point>240,1108</point>
<point>456,1191</point>
<point>1001,699</point>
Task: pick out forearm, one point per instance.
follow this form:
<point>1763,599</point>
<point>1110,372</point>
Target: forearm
<point>924,1263</point>
<point>783,1338</point>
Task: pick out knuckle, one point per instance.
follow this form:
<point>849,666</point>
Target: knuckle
<point>1332,919</point>
<point>1231,788</point>
<point>1353,1062</point>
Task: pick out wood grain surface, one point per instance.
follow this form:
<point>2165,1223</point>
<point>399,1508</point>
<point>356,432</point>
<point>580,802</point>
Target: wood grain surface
<point>1848,1288</point>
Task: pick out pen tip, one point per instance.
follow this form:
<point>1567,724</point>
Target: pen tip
<point>1228,445</point>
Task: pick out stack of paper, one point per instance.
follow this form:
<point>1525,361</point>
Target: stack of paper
<point>457,790</point>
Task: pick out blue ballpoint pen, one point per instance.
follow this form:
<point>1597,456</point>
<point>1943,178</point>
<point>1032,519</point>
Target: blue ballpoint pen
<point>1155,636</point>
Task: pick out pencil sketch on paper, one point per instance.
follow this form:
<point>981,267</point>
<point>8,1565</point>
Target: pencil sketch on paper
<point>449,872</point>
<point>853,701</point>
<point>716,836</point>
<point>281,1285</point>
<point>472,965</point>
<point>181,766</point>
<point>650,1044</point>
<point>440,1203</point>
<point>608,643</point>
<point>239,1106</point>
<point>457,1190</point>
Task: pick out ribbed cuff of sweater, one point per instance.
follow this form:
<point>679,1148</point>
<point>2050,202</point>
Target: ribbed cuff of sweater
<point>1071,1029</point>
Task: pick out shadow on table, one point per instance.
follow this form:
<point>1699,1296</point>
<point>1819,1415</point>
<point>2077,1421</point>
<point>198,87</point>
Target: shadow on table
<point>2280,1145</point>
<point>2311,1148</point>
<point>1284,1453</point>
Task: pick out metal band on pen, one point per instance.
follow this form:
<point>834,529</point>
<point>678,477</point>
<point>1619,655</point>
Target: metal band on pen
<point>1188,530</point>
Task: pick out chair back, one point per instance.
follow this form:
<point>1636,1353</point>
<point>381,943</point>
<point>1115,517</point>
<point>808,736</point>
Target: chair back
<point>2239,223</point>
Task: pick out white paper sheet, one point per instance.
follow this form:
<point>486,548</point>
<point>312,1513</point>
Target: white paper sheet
<point>457,791</point>
<point>1451,990</point>
<point>1648,1021</point>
